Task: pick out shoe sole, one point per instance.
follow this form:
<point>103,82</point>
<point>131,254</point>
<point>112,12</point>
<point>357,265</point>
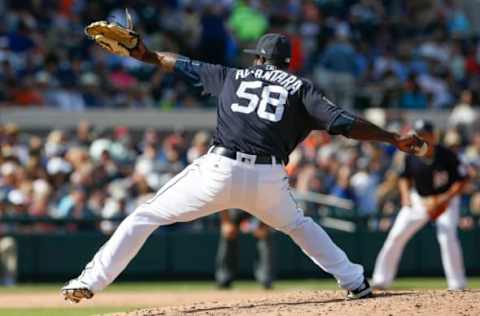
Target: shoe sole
<point>367,293</point>
<point>76,295</point>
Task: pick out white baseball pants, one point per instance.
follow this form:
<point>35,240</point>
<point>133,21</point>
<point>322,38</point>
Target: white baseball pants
<point>408,222</point>
<point>210,184</point>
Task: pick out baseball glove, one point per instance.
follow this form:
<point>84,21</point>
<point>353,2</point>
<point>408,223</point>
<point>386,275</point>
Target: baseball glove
<point>114,37</point>
<point>435,207</point>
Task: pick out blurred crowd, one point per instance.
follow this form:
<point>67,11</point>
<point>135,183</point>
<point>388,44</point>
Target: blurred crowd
<point>90,174</point>
<point>409,54</point>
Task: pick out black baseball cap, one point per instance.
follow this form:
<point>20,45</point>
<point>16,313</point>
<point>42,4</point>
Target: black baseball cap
<point>424,126</point>
<point>273,46</point>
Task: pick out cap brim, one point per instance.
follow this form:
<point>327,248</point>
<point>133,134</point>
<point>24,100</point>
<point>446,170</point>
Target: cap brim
<point>251,51</point>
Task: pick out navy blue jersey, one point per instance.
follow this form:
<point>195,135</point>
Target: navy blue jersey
<point>261,109</point>
<point>434,176</point>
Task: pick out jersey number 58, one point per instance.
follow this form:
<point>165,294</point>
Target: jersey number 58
<point>273,95</point>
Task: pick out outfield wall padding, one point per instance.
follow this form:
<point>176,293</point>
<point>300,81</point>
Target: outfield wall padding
<point>185,255</point>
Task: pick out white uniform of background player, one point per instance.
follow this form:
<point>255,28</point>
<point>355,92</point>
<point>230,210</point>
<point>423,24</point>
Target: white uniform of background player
<point>424,186</point>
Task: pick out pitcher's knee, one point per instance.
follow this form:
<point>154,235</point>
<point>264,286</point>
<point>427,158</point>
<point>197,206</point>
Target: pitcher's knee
<point>298,225</point>
<point>145,215</point>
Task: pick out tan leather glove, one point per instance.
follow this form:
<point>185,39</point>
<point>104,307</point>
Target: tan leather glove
<point>114,37</point>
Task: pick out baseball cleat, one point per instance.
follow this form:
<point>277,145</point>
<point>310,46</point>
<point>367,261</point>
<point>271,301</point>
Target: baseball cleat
<point>364,291</point>
<point>75,290</point>
<point>457,289</point>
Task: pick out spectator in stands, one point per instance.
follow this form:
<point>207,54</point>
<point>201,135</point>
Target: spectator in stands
<point>214,36</point>
<point>11,147</point>
<point>40,200</point>
<point>412,97</point>
<point>9,182</point>
<point>247,21</point>
<point>338,68</point>
<point>472,152</point>
<point>342,187</point>
<point>84,134</point>
<point>463,113</point>
<point>73,205</point>
<point>364,186</point>
<point>199,147</point>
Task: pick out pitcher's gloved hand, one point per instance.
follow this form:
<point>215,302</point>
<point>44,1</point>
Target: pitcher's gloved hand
<point>436,205</point>
<point>115,38</point>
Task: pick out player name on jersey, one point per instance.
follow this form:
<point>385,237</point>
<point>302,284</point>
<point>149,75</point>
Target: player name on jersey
<point>290,82</point>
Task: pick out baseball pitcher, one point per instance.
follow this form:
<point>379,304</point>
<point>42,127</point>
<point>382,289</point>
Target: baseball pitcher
<point>429,189</point>
<point>263,112</point>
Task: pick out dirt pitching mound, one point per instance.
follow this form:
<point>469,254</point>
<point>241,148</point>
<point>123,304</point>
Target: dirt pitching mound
<point>391,303</point>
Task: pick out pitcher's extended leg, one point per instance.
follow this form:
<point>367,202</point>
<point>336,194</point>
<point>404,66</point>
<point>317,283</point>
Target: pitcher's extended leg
<point>122,246</point>
<point>319,247</point>
<point>280,211</point>
<point>195,192</point>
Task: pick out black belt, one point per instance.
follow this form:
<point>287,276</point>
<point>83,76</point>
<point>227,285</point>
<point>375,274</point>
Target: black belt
<point>236,155</point>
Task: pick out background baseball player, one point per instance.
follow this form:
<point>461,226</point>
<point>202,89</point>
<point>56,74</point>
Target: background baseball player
<point>263,112</point>
<point>429,188</point>
<point>232,222</point>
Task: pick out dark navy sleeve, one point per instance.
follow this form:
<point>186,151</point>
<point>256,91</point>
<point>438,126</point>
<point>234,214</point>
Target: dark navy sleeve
<point>324,114</point>
<point>405,168</point>
<point>457,169</point>
<point>210,77</point>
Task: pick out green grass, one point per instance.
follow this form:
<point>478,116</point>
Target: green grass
<point>196,286</point>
